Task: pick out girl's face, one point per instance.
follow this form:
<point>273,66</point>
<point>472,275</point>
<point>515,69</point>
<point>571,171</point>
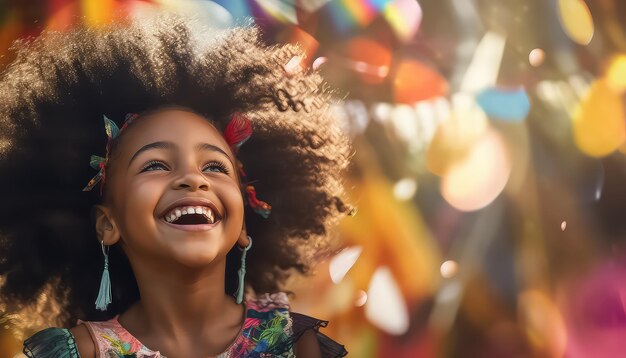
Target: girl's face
<point>167,164</point>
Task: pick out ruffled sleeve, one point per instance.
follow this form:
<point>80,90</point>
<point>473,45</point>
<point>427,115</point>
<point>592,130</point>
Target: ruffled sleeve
<point>51,343</point>
<point>329,348</point>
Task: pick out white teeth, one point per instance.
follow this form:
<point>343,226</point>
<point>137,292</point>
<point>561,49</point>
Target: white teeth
<point>178,212</point>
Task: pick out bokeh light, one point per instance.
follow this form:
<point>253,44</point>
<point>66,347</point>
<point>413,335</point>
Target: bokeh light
<point>455,135</point>
<point>413,82</point>
<point>342,262</point>
<point>536,57</point>
<point>385,307</point>
<point>346,15</point>
<point>449,268</point>
<point>370,59</point>
<point>616,74</point>
<point>404,17</point>
<point>482,72</point>
<point>476,180</point>
<point>319,62</point>
<point>405,122</point>
<point>282,11</point>
<point>599,121</point>
<point>504,103</point>
<point>97,12</point>
<point>576,20</point>
<point>361,298</point>
<point>404,189</point>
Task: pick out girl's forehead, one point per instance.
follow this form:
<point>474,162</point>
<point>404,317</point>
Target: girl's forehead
<point>172,125</point>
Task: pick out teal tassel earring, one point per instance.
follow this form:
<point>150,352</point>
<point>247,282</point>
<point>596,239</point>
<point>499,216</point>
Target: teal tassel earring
<point>104,295</point>
<point>242,272</point>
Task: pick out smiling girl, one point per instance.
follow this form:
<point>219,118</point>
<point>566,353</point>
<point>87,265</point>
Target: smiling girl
<point>183,216</point>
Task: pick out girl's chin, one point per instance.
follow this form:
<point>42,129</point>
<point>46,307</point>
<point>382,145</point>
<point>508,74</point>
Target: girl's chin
<point>197,257</point>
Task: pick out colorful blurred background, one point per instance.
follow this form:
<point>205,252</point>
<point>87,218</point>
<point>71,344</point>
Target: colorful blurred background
<point>489,166</point>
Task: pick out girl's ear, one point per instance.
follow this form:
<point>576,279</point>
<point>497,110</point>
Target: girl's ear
<point>243,239</point>
<point>106,228</point>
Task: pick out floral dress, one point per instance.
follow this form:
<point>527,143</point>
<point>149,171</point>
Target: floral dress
<point>269,330</point>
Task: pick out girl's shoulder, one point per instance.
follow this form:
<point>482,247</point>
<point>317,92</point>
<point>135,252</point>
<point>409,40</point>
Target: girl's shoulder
<point>103,339</point>
<point>267,314</point>
<point>269,328</point>
<point>51,343</point>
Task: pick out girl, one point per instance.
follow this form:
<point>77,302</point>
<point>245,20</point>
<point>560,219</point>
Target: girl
<point>182,211</point>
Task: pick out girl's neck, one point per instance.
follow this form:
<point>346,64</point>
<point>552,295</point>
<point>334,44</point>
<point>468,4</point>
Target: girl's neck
<point>186,305</point>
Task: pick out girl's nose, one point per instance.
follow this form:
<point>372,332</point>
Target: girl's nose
<point>191,180</point>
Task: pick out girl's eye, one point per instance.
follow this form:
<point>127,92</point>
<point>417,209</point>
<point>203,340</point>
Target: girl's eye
<point>154,165</point>
<point>215,166</point>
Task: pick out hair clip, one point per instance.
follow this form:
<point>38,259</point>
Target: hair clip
<point>237,132</point>
<point>100,163</point>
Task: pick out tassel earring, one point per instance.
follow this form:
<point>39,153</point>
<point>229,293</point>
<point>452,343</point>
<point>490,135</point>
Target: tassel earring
<point>242,272</point>
<point>104,295</point>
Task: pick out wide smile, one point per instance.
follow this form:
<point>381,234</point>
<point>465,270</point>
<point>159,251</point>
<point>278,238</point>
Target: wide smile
<point>192,215</point>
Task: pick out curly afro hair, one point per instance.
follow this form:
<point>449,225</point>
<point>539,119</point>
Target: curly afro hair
<point>53,97</point>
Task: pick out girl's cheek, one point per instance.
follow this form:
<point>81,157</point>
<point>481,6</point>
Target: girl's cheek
<point>142,195</point>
